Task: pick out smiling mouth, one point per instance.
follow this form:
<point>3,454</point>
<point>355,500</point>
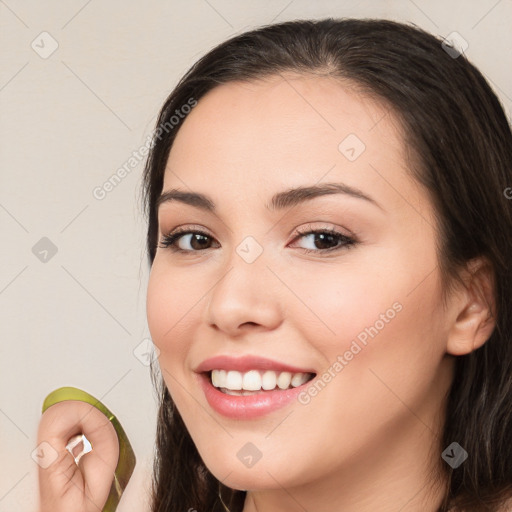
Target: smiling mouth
<point>232,382</point>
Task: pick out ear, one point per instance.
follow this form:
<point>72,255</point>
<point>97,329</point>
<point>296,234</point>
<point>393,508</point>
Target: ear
<point>475,313</point>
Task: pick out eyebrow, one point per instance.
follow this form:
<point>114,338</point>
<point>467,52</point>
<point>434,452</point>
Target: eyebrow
<point>280,201</point>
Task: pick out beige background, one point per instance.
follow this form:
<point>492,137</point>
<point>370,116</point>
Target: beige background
<point>68,121</point>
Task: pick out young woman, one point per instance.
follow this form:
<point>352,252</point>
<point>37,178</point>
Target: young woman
<point>330,288</point>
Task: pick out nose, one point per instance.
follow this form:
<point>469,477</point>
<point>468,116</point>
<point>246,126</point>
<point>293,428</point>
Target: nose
<point>247,295</point>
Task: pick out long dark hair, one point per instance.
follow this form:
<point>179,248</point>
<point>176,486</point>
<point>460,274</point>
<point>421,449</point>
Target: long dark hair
<point>460,145</point>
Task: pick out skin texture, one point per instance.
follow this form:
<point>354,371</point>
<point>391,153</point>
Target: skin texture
<point>64,485</point>
<point>363,442</point>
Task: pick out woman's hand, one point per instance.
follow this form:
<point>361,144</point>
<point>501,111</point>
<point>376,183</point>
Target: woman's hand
<point>65,486</point>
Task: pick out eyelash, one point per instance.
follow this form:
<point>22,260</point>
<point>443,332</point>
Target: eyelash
<point>170,240</point>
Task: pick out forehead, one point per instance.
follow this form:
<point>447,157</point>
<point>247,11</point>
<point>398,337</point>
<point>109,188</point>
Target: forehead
<point>287,131</point>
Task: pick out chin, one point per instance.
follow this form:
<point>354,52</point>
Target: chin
<point>248,480</point>
<point>262,475</point>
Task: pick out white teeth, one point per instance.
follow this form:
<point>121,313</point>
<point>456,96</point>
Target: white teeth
<point>252,381</point>
<point>218,376</point>
<point>256,380</point>
<point>284,380</point>
<point>299,378</point>
<point>269,380</point>
<point>233,380</point>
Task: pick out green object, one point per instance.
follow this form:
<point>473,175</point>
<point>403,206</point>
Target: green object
<point>126,462</point>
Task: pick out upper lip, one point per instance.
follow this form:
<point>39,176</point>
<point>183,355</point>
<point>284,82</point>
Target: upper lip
<point>246,363</point>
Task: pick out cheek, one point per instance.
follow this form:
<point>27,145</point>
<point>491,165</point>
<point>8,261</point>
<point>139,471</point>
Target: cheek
<point>384,353</point>
<point>157,306</point>
<point>169,308</point>
<point>340,305</point>
<point>372,313</point>
<point>168,312</point>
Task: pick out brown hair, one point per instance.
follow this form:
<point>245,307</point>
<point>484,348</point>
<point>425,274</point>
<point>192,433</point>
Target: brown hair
<point>461,147</point>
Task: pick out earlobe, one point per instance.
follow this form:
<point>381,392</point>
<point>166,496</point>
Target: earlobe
<point>475,318</point>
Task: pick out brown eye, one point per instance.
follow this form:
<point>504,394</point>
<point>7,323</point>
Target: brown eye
<point>181,240</point>
<point>325,240</point>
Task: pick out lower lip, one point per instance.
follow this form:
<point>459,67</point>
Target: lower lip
<point>248,406</point>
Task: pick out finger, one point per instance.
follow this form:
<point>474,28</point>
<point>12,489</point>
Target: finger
<point>98,466</point>
<point>92,478</point>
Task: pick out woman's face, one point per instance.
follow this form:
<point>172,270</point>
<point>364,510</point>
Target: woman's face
<point>365,317</point>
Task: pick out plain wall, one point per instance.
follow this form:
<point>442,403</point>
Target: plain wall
<point>68,121</point>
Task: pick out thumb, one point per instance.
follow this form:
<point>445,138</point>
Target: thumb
<point>64,484</point>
